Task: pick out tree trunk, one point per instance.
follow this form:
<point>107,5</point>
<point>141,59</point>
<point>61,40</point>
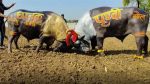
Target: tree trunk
<point>138,3</point>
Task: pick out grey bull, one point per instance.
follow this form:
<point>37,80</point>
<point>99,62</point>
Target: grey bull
<point>45,25</point>
<point>100,23</point>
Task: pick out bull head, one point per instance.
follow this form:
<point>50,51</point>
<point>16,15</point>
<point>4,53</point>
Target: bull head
<point>73,40</point>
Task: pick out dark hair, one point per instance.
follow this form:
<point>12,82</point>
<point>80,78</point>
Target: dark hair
<point>62,15</point>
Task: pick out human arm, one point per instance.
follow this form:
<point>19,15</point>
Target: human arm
<point>6,8</point>
<point>2,15</point>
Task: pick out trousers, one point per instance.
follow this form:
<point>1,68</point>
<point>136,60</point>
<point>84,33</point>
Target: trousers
<point>2,32</point>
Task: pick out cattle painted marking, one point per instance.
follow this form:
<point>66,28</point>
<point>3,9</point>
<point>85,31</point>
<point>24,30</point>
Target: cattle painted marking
<point>138,15</point>
<point>13,19</point>
<point>30,19</point>
<point>139,34</point>
<point>104,18</point>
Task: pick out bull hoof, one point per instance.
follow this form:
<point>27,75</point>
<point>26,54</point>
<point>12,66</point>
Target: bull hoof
<point>101,54</point>
<point>37,51</point>
<point>87,52</point>
<point>145,55</point>
<point>138,57</point>
<point>56,50</point>
<point>9,51</point>
<point>17,48</point>
<point>2,47</point>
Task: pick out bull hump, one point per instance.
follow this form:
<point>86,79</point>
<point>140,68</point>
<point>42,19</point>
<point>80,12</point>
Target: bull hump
<point>30,18</point>
<point>99,10</point>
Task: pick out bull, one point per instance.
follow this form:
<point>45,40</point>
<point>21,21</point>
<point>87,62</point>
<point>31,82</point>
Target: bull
<point>47,26</point>
<point>102,22</point>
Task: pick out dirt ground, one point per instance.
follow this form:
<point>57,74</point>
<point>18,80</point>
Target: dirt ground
<point>24,66</point>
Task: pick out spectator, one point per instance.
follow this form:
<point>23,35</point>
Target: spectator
<point>62,15</point>
<point>2,24</point>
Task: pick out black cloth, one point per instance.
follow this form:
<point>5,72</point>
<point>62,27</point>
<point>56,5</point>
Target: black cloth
<point>65,20</point>
<point>2,32</point>
<point>2,24</point>
<point>2,9</point>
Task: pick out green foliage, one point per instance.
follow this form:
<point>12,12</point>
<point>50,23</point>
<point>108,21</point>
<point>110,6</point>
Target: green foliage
<point>126,2</point>
<point>142,4</point>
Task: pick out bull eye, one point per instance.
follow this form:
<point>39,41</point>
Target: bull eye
<point>77,44</point>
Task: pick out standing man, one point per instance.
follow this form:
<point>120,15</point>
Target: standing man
<point>2,24</point>
<point>62,15</point>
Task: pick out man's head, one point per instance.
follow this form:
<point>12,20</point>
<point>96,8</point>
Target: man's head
<point>62,15</point>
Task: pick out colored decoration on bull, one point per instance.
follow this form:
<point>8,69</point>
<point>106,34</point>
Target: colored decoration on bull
<point>138,57</point>
<point>12,33</point>
<point>139,34</point>
<point>13,19</point>
<point>104,18</point>
<point>138,15</point>
<point>100,51</point>
<point>30,19</point>
<point>71,34</point>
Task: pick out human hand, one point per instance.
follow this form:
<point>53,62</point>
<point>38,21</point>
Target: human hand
<point>13,4</point>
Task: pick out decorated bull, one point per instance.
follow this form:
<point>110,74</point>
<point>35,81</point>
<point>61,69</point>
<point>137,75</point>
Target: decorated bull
<point>45,25</point>
<point>100,23</point>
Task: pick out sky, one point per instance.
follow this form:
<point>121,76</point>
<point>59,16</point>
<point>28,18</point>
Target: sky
<point>72,9</point>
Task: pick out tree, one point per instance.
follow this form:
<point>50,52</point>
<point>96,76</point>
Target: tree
<point>127,2</point>
<point>142,4</point>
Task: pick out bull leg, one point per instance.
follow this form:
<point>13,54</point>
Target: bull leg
<point>141,45</point>
<point>16,41</point>
<point>93,42</point>
<point>57,45</point>
<point>41,41</point>
<point>10,43</point>
<point>146,46</point>
<point>48,45</point>
<point>100,41</point>
<point>60,47</point>
<point>49,41</point>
